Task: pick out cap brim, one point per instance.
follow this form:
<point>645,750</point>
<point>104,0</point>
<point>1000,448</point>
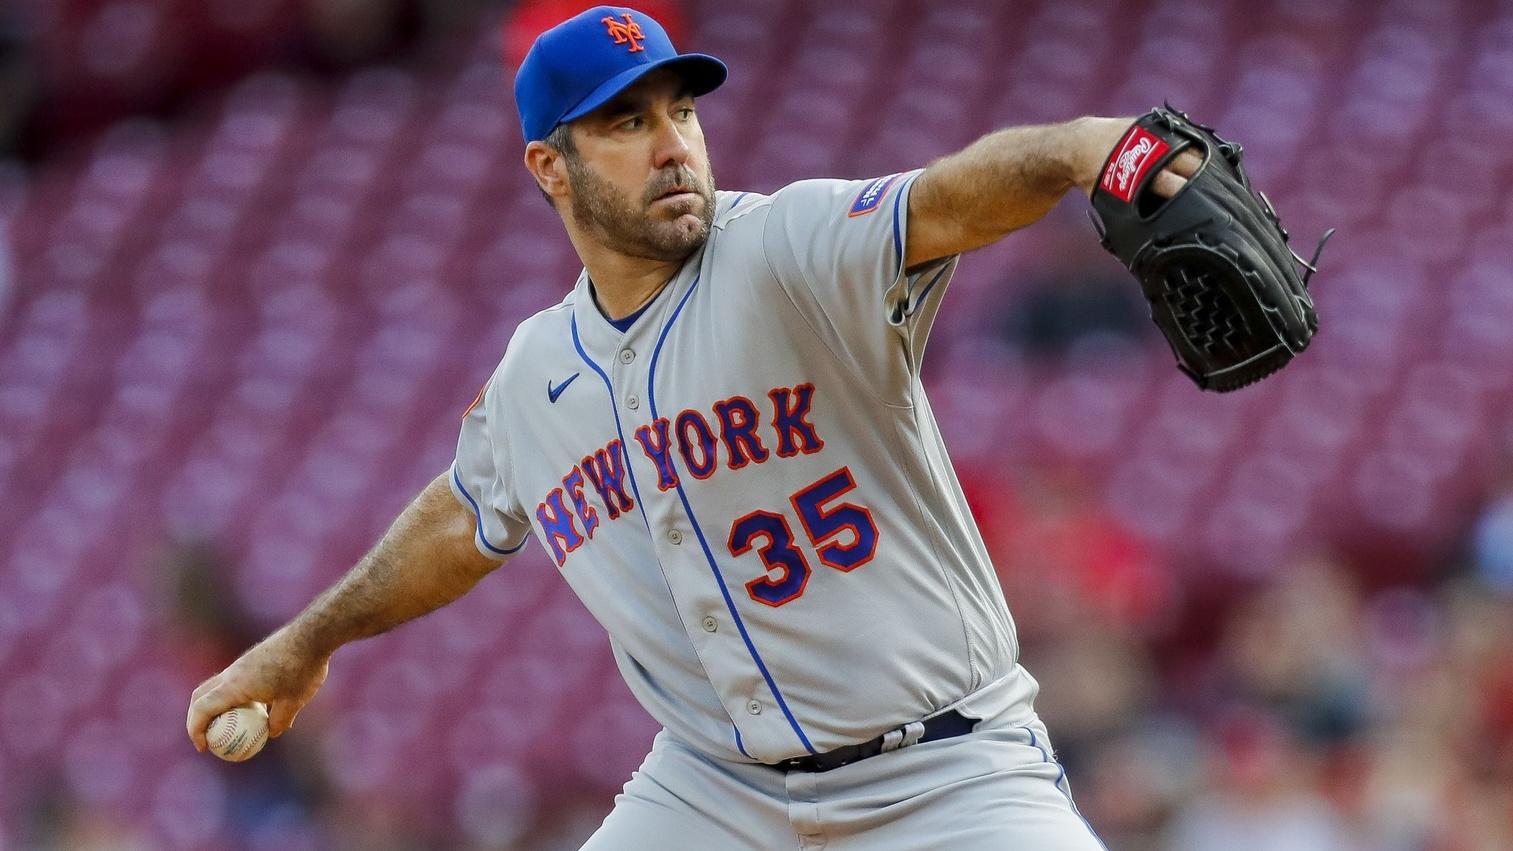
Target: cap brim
<point>702,72</point>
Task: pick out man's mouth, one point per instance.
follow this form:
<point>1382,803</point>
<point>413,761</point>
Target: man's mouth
<point>677,193</point>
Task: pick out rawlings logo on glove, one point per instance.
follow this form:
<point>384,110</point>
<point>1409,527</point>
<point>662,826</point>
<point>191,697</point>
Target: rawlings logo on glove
<point>1131,162</point>
<point>1213,260</point>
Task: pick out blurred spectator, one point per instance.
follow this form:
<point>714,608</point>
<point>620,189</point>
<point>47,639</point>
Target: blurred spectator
<point>1059,553</point>
<point>92,63</point>
<point>1130,785</point>
<point>56,821</point>
<point>446,19</point>
<point>1295,648</point>
<point>1261,795</point>
<point>1079,301</point>
<point>1492,542</point>
<point>280,794</point>
<point>343,33</point>
<point>214,627</point>
<point>10,180</point>
<point>18,80</point>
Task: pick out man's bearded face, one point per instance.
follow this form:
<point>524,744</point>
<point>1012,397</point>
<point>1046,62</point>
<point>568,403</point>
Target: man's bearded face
<point>668,220</point>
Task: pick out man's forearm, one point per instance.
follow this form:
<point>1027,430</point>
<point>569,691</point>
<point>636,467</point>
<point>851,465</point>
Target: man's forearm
<point>423,562</point>
<point>1011,177</point>
<point>1002,182</point>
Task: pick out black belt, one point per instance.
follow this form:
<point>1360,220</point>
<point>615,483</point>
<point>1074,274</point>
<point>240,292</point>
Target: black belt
<point>943,726</point>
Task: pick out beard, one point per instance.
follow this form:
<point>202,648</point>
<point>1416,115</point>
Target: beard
<point>634,227</point>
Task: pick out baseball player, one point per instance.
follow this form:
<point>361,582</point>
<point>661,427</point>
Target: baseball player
<point>720,439</point>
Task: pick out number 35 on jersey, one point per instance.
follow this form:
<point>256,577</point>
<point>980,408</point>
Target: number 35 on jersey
<point>843,534</point>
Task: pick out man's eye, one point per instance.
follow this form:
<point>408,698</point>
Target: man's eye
<point>632,123</point>
<point>685,113</point>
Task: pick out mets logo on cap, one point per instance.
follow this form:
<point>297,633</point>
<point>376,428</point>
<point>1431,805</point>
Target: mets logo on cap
<point>580,64</point>
<point>625,31</point>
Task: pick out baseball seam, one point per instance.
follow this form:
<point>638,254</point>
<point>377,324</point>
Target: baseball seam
<point>230,730</point>
<point>232,740</point>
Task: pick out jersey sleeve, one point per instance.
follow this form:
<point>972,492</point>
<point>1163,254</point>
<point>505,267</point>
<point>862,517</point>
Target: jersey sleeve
<point>481,486</point>
<point>837,249</point>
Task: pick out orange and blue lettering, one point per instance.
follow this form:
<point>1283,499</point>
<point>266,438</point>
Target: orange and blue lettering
<point>738,425</point>
<point>696,444</point>
<point>790,409</point>
<point>587,515</point>
<point>557,526</point>
<point>654,442</point>
<point>787,570</point>
<point>605,470</point>
<point>828,526</point>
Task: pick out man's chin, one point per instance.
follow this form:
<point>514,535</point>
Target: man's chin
<point>688,240</point>
<point>681,237</point>
<point>690,223</point>
<point>685,219</point>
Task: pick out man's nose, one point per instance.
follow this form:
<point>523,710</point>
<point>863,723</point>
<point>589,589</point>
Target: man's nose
<point>672,148</point>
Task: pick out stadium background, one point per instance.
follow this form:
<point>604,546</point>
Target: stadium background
<point>256,256</point>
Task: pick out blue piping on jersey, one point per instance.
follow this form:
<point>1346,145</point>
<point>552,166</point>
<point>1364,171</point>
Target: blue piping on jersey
<point>651,397</point>
<point>624,444</point>
<point>625,448</point>
<point>920,299</point>
<point>898,239</point>
<point>738,199</point>
<point>898,249</point>
<point>1061,776</point>
<point>479,515</point>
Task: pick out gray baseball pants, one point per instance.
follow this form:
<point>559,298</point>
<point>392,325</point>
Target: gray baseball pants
<point>996,788</point>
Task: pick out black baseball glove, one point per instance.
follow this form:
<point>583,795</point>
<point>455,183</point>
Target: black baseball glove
<point>1213,260</point>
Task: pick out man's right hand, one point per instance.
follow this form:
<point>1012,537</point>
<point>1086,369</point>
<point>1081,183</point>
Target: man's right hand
<point>277,672</point>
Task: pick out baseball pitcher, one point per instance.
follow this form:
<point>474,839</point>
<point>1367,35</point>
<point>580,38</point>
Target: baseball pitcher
<point>720,439</point>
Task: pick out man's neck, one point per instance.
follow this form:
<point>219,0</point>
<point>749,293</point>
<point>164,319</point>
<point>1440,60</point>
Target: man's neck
<point>620,292</point>
<point>623,283</point>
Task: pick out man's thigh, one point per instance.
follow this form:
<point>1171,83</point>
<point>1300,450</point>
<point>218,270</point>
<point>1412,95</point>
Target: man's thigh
<point>679,799</point>
<point>993,790</point>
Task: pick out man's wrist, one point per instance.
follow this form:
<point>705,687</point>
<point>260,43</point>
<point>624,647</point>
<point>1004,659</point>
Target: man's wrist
<point>304,636</point>
<point>1094,139</point>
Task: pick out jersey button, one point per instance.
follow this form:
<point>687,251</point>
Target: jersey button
<point>626,356</point>
<point>633,401</point>
<point>754,708</point>
<point>674,537</point>
<point>710,624</point>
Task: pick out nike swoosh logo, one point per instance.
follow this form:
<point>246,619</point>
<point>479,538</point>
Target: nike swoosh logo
<point>553,392</point>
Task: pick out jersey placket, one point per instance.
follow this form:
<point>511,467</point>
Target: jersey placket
<point>625,364</point>
<point>743,696</point>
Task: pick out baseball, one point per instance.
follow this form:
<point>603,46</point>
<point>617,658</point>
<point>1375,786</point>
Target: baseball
<point>238,734</point>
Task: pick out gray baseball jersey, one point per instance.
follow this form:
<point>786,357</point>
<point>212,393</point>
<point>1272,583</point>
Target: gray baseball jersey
<point>747,487</point>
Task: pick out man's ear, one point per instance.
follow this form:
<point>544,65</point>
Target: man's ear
<point>549,168</point>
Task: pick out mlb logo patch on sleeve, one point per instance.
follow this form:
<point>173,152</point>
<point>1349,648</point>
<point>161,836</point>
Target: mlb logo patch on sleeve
<point>872,195</point>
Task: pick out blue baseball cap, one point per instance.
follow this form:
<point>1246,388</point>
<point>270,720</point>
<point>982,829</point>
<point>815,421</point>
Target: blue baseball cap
<point>580,64</point>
